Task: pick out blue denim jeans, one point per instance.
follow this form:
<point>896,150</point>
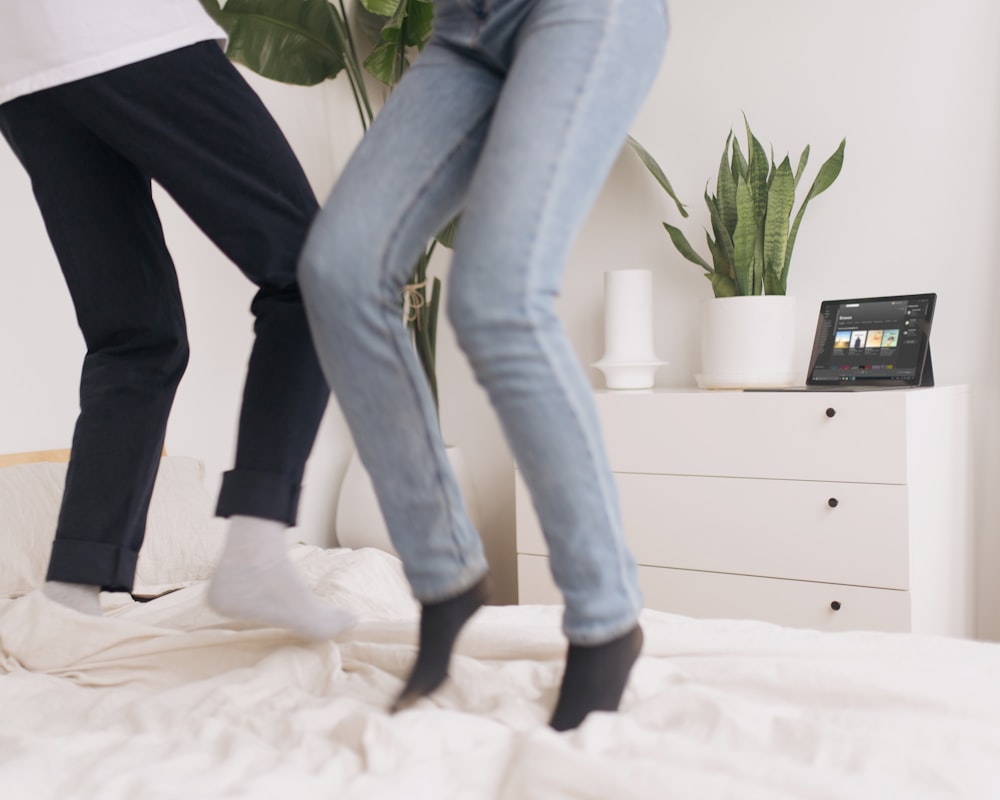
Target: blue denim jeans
<point>513,115</point>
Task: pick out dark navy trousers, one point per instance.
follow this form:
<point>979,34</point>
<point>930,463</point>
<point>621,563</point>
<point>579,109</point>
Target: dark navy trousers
<point>188,121</point>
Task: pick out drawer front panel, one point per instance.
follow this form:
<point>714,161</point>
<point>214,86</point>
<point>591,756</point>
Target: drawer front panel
<point>847,533</point>
<point>821,436</point>
<point>708,595</point>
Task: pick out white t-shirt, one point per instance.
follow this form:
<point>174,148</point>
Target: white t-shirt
<point>46,43</point>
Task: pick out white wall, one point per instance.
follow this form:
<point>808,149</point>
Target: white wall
<point>912,84</point>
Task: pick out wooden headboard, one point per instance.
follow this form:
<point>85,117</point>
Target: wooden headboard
<point>38,457</point>
<point>34,457</point>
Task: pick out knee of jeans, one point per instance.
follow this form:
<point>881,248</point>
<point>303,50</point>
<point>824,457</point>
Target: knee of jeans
<point>338,267</point>
<point>482,317</point>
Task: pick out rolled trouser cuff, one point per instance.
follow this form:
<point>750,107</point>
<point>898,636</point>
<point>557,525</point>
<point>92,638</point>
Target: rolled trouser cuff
<point>92,563</point>
<point>250,493</point>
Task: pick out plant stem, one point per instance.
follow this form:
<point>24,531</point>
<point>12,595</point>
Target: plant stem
<point>352,66</point>
<point>355,63</point>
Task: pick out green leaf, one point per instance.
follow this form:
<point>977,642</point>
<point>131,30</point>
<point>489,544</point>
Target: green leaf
<point>723,240</point>
<point>824,179</point>
<point>740,168</point>
<point>432,314</point>
<point>657,173</point>
<point>446,236</point>
<point>722,285</point>
<point>421,23</point>
<point>383,8</point>
<point>409,25</point>
<point>828,172</point>
<point>757,175</point>
<point>803,160</point>
<point>718,257</point>
<point>781,198</point>
<point>684,247</point>
<point>381,63</point>
<point>744,238</point>
<point>725,186</point>
<point>294,43</point>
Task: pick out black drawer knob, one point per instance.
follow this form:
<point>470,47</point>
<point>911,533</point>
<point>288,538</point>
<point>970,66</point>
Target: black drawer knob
<point>831,412</point>
<point>835,605</point>
<point>833,502</point>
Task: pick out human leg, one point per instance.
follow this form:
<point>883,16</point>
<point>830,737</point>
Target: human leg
<point>188,120</point>
<point>195,126</point>
<point>405,181</point>
<point>100,217</point>
<point>579,72</point>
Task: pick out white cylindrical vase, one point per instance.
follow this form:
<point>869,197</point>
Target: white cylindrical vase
<point>629,360</point>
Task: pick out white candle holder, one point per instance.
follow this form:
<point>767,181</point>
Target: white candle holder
<point>629,360</point>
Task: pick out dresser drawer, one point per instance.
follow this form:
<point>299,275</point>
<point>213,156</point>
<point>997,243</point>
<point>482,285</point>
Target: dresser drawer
<point>848,533</point>
<point>800,604</point>
<point>822,436</point>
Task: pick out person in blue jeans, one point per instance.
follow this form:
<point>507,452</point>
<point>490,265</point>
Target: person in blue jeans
<point>512,115</point>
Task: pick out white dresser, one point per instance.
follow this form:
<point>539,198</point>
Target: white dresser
<point>828,510</point>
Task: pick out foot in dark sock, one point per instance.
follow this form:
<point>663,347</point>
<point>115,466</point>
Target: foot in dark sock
<point>595,678</point>
<point>440,624</point>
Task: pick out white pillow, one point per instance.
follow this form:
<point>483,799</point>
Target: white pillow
<point>183,539</point>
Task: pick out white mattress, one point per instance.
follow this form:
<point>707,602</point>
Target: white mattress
<point>166,700</point>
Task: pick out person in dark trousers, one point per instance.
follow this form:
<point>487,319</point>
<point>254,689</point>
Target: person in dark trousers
<point>97,101</point>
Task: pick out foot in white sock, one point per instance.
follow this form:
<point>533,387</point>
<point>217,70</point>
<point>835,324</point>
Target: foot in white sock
<point>79,596</point>
<point>255,581</point>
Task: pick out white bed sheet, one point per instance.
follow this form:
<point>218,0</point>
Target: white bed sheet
<point>166,700</point>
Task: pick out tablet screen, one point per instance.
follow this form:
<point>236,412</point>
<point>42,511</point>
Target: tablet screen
<point>880,341</point>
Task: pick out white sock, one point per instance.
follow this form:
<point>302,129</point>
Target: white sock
<point>80,597</point>
<point>255,581</point>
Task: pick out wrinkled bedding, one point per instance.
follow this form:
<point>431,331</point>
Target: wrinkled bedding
<point>164,699</point>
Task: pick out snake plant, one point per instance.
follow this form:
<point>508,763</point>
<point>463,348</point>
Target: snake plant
<point>753,232</point>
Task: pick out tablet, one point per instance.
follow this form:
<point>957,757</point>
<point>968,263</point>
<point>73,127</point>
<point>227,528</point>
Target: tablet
<point>873,341</point>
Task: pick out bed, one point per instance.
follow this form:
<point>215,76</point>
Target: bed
<point>161,698</point>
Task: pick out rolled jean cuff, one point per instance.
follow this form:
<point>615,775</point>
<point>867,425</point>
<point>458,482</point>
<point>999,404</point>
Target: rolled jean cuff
<point>93,563</point>
<point>250,493</point>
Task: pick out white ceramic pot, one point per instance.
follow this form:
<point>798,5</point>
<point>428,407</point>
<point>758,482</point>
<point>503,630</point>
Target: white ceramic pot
<point>359,521</point>
<point>748,342</point>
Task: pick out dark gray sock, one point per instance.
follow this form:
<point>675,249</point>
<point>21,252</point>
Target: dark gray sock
<point>440,624</point>
<point>595,678</point>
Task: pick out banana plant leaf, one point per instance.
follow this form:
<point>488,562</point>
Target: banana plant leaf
<point>299,43</point>
<point>409,25</point>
